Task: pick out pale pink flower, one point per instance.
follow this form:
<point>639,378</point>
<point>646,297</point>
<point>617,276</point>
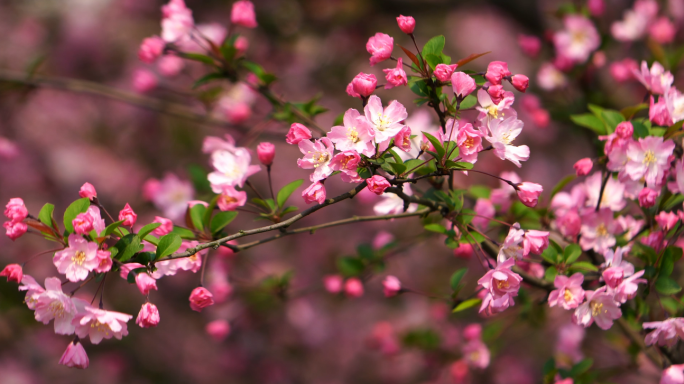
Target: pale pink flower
<point>145,283</point>
<point>614,260</point>
<point>502,195</point>
<point>193,262</point>
<point>177,21</point>
<point>391,286</point>
<point>15,210</point>
<point>598,230</point>
<point>443,72</point>
<point>496,71</point>
<point>658,112</point>
<point>75,356</point>
<point>395,76</point>
<point>649,159</point>
<point>613,193</point>
<point>171,194</point>
<point>666,332</point>
<point>662,30</point>
<point>583,166</point>
<point>231,168</point>
<point>99,324</point>
<point>462,84</point>
<point>317,156</point>
<point>33,291</point>
<point>600,307</point>
<point>656,79</point>
<point>674,374</point>
<point>333,283</point>
<point>377,184</point>
<point>629,224</point>
<point>469,141</point>
<point>569,342</point>
<point>501,285</point>
<point>314,193</point>
<point>503,132</point>
<point>512,247</point>
<point>148,316</point>
<point>484,209</point>
<point>8,149</point>
<point>529,44</point>
<point>363,85</point>
<point>635,22</point>
<point>242,13</point>
<point>230,198</point>
<point>623,70</point>
<point>386,123</point>
<point>406,23</point>
<point>151,49</point>
<point>353,287</point>
<point>535,241</point>
<point>144,81</point>
<point>628,287</point>
<point>297,133</point>
<point>578,40</point>
<point>476,354</point>
<point>104,262</point>
<point>266,153</point>
<point>674,100</point>
<point>550,78</point>
<point>355,135</point>
<point>78,259</point>
<point>569,224</point>
<point>569,293</point>
<point>489,109</point>
<point>529,193</point>
<point>52,303</point>
<point>200,298</point>
<point>380,47</point>
<point>170,65</point>
<point>13,272</point>
<point>212,144</point>
<point>218,329</point>
<point>391,204</point>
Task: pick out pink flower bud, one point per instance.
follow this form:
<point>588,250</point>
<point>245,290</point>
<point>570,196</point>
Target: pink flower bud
<point>613,276</point>
<point>462,84</point>
<point>662,30</point>
<point>381,239</point>
<point>394,76</point>
<point>647,197</point>
<point>464,250</point>
<point>83,223</point>
<point>14,230</point>
<point>128,216</point>
<point>148,316</point>
<point>459,372</point>
<point>583,166</point>
<point>596,7</point>
<point>351,92</point>
<point>541,118</point>
<point>243,14</point>
<point>535,242</point>
<point>496,92</point>
<point>104,259</point>
<point>150,189</point>
<point>144,81</point>
<point>165,228</point>
<point>353,287</point>
<point>472,332</point>
<point>530,45</point>
<point>658,112</point>
<point>241,45</point>
<point>87,190</point>
<point>266,153</point>
<point>218,329</point>
<point>403,139</point>
<point>314,193</point>
<point>667,220</point>
<point>145,283</point>
<point>150,49</point>
<point>200,298</point>
<point>297,133</point>
<point>13,272</point>
<point>364,84</point>
<point>406,23</point>
<point>391,286</point>
<point>170,65</point>
<point>520,82</point>
<point>496,71</point>
<point>15,210</point>
<point>380,47</point>
<point>377,184</point>
<point>443,72</point>
<point>75,356</point>
<point>528,193</point>
<point>333,283</point>
<point>237,112</point>
<point>623,70</point>
<point>624,130</point>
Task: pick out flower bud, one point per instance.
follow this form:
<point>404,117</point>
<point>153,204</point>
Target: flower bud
<point>128,216</point>
<point>472,332</point>
<point>75,356</point>
<point>647,197</point>
<point>496,92</point>
<point>364,84</point>
<point>200,298</point>
<point>583,166</point>
<point>395,76</point>
<point>535,241</point>
<point>464,250</point>
<point>662,30</point>
<point>624,130</point>
<point>13,272</point>
<point>145,283</point>
<point>406,23</point>
<point>377,184</point>
<point>520,82</point>
<point>596,7</point>
<point>243,14</point>
<point>218,329</point>
<point>297,133</point>
<point>241,45</point>
<point>380,47</point>
<point>144,81</point>
<point>83,223</point>
<point>15,230</point>
<point>443,72</point>
<point>333,283</point>
<point>170,65</point>
<point>613,276</point>
<point>87,190</point>
<point>569,224</point>
<point>351,92</point>
<point>353,287</point>
<point>15,210</point>
<point>530,45</point>
<point>150,49</point>
<point>266,153</point>
<point>391,286</point>
<point>148,316</point>
<point>165,228</point>
<point>314,193</point>
<point>496,71</point>
<point>462,84</point>
<point>403,139</point>
<point>528,193</point>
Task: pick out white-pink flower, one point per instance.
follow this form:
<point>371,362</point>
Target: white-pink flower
<point>635,22</point>
<point>649,159</point>
<point>503,132</point>
<point>386,122</point>
<point>391,204</point>
<point>501,285</point>
<point>355,135</point>
<point>665,332</point>
<point>656,79</point>
<point>100,324</point>
<point>177,21</point>
<point>512,248</point>
<point>490,110</point>
<point>569,293</point>
<point>628,287</point>
<point>578,40</point>
<point>78,259</point>
<point>231,168</point>
<point>600,307</point>
<point>612,197</point>
<point>598,230</point>
<point>33,290</point>
<point>550,78</point>
<point>674,103</point>
<point>52,303</point>
<point>317,156</point>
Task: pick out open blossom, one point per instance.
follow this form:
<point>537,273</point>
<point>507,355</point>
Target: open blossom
<point>403,139</point>
<point>623,70</point>
<point>83,223</point>
<point>512,248</point>
<point>485,210</point>
<point>469,141</point>
<point>317,156</point>
<point>656,79</point>
<point>503,132</point>
<point>170,194</point>
<point>578,40</point>
<point>462,84</point>
<point>633,25</point>
<point>476,354</point>
<point>499,109</point>
<point>658,112</point>
<point>598,230</point>
<point>501,285</point>
<point>377,184</point>
<point>443,72</point>
<point>392,204</point>
<point>406,23</point>
<point>99,324</point>
<point>346,162</point>
<point>395,76</point>
<point>569,293</point>
<point>665,332</point>
<point>550,78</point>
<point>355,135</point>
<point>674,101</point>
<point>667,220</point>
<point>13,272</point>
<point>536,241</point>
<point>391,286</point>
<point>613,193</point>
<point>75,356</point>
<point>242,14</point>
<point>15,210</point>
<point>148,316</point>
<point>529,193</point>
<point>78,259</point>
<point>314,193</point>
<point>177,21</point>
<point>380,47</point>
<point>649,159</point>
<point>231,168</point>
<point>628,287</point>
<point>386,122</point>
<point>53,303</point>
<point>104,262</point>
<point>230,198</point>
<point>363,85</point>
<point>674,374</point>
<point>297,133</point>
<point>600,307</point>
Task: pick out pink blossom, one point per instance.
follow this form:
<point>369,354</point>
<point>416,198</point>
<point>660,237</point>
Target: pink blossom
<point>624,130</point>
<point>443,72</point>
<point>8,149</point>
<point>464,250</point>
<point>600,307</point>
<point>177,21</point>
<point>623,70</point>
<point>656,79</point>
<point>503,132</point>
<point>496,71</point>
<point>333,283</point>
<point>231,168</point>
<point>459,372</point>
<point>52,303</point>
<point>528,193</point>
<point>628,287</point>
<point>391,286</point>
<point>520,82</point>
<point>598,230</point>
<point>355,135</point>
<point>150,49</point>
<point>578,40</point>
<point>351,92</point>
<point>230,198</point>
<point>190,263</point>
<point>501,285</point>
<point>83,223</point>
<point>104,262</point>
<point>346,162</point>
<point>569,342</point>
<point>489,109</point>
<point>569,293</point>
<point>14,230</point>
<point>170,65</point>
<point>613,276</point>
<point>382,239</point>
<point>317,156</point>
<point>148,316</point>
<point>218,329</point>
<point>297,133</point>
<point>33,289</point>
<point>87,190</point>
<point>613,193</point>
<point>469,141</point>
<point>165,228</point>
<point>512,247</point>
<point>200,298</point>
<point>583,166</point>
<point>658,112</point>
<point>674,101</point>
<point>385,122</point>
<point>377,184</point>
<point>614,260</point>
<point>243,14</point>
<point>13,272</point>
<point>476,354</point>
<point>648,197</point>
<point>403,139</point>
<point>667,220</point>
<point>241,45</point>
<point>99,324</point>
<point>536,241</point>
<point>406,23</point>
<point>75,356</point>
<point>266,153</point>
<point>596,7</point>
<point>662,30</point>
<point>462,84</point>
<point>392,204</point>
<point>472,332</point>
<point>569,224</point>
<point>15,210</point>
<point>395,76</point>
<point>550,78</point>
<point>128,216</point>
<point>144,81</point>
<point>666,332</point>
<point>353,287</point>
<point>170,195</point>
<point>314,193</point>
<point>569,380</point>
<point>364,84</point>
<point>78,259</point>
<point>674,374</point>
<point>145,283</point>
<point>635,21</point>
<point>649,159</point>
<point>496,93</point>
<point>529,44</point>
<point>380,47</point>
<point>484,209</point>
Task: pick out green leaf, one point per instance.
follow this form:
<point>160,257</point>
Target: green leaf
<point>78,206</point>
<point>667,286</point>
<point>198,57</point>
<point>350,266</point>
<point>550,274</point>
<point>581,367</point>
<point>154,240</point>
<point>286,191</point>
<point>456,278</point>
<point>673,201</point>
<point>111,228</point>
<point>629,112</point>
<point>434,46</point>
<point>288,210</point>
<point>128,246</point>
<point>467,304</point>
<point>435,227</point>
<point>437,144</point>
<point>561,184</point>
<point>168,244</point>
<point>590,121</point>
<point>433,60</point>
<point>146,230</point>
<point>133,273</point>
<point>469,102</point>
<point>571,253</point>
<point>364,172</point>
<point>640,130</point>
<point>473,237</point>
<point>198,176</point>
<point>184,233</point>
<point>398,168</point>
<point>420,88</point>
<point>550,255</point>
<point>208,78</point>
<point>583,266</point>
<point>196,215</point>
<point>45,214</point>
<point>480,191</point>
<point>222,219</point>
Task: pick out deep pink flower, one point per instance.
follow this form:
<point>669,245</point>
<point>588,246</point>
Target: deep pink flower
<point>468,139</point>
<point>613,276</point>
<point>406,23</point>
<point>14,230</point>
<point>569,293</point>
<point>353,287</point>
<point>529,44</point>
<point>355,135</point>
<point>87,190</point>
<point>266,153</point>
<point>83,223</point>
<point>662,30</point>
<point>148,316</point>
<point>659,113</point>
<point>583,166</point>
<point>314,193</point>
<point>403,139</point>
<point>386,122</point>
<point>578,40</point>
<point>218,329</point>
<point>528,193</point>
<point>459,372</point>
<point>145,283</point>
<point>395,76</point>
<point>648,197</point>
<point>75,356</point>
<point>472,332</point>
<point>165,228</point>
<point>462,84</point>
<point>297,133</point>
<point>230,198</point>
<point>241,45</point>
<point>78,259</point>
<point>200,298</point>
<point>496,93</point>
<point>598,230</point>
<point>380,47</point>
<point>624,130</point>
<point>99,324</point>
<point>596,7</point>
<point>496,71</point>
<point>667,220</point>
<point>377,184</point>
<point>512,247</point>
<point>520,82</point>
<point>15,210</point>
<point>656,79</point>
<point>242,13</point>
<point>150,49</point>
<point>128,216</point>
<point>600,307</point>
<point>464,250</point>
<point>391,286</point>
<point>351,92</point>
<point>623,70</point>
<point>317,156</point>
<point>104,262</point>
<point>364,84</point>
<point>13,272</point>
<point>443,72</point>
<point>333,283</point>
<point>346,162</point>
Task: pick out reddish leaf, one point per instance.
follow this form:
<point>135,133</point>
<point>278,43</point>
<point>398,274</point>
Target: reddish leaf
<point>411,56</point>
<point>471,58</point>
